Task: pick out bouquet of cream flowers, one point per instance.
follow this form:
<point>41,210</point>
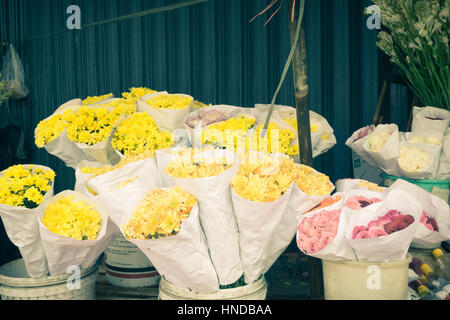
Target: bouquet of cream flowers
<point>417,42</point>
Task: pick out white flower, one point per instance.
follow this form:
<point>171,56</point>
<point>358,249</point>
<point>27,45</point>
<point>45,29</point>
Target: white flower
<point>425,140</point>
<point>413,159</point>
<point>377,140</point>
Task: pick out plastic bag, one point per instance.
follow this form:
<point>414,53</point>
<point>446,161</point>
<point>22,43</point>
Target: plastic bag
<point>12,71</point>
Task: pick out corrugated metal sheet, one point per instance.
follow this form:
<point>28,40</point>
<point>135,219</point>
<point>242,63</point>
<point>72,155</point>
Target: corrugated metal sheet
<point>209,51</point>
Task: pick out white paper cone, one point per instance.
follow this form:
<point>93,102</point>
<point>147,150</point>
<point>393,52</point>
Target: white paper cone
<point>392,247</point>
<point>298,204</point>
<point>182,259</point>
<point>444,161</point>
<point>420,123</point>
<point>166,119</point>
<point>63,252</point>
<point>357,145</point>
<point>434,206</point>
<point>217,218</point>
<point>430,171</point>
<point>257,222</point>
<point>386,158</point>
<point>339,249</point>
<point>22,228</point>
<point>81,179</point>
<point>145,170</point>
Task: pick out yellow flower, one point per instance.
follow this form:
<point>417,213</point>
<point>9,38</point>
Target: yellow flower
<point>200,105</point>
<point>138,134</point>
<point>136,93</point>
<point>170,101</point>
<point>293,122</point>
<point>24,187</point>
<point>95,99</point>
<point>73,219</point>
<point>196,167</point>
<point>285,138</point>
<point>311,182</point>
<point>264,179</point>
<point>160,214</point>
<point>48,130</point>
<point>231,132</point>
<point>90,125</point>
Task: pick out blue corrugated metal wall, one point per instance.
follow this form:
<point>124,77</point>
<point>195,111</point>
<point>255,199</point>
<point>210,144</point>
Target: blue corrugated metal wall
<point>209,51</point>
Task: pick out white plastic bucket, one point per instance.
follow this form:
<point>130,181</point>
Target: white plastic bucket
<point>15,284</point>
<point>254,291</point>
<point>353,280</point>
<point>126,266</point>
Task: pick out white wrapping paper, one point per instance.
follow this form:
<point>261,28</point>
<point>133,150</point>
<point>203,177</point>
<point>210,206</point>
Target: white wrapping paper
<point>62,147</point>
<point>392,247</point>
<point>358,145</point>
<point>63,252</point>
<point>434,206</point>
<point>444,161</point>
<point>420,123</point>
<point>22,227</point>
<point>298,204</point>
<point>386,158</point>
<point>257,222</point>
<point>339,249</point>
<point>81,179</point>
<point>217,217</point>
<point>182,259</point>
<point>166,119</point>
<point>144,170</point>
<point>430,171</point>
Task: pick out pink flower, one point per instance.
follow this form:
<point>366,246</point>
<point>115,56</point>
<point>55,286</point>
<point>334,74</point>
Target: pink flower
<point>359,202</point>
<point>375,232</point>
<point>318,231</point>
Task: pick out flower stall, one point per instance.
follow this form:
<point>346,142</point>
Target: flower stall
<point>152,194</point>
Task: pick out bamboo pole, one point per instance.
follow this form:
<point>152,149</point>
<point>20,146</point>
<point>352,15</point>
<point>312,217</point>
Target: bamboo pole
<point>299,66</point>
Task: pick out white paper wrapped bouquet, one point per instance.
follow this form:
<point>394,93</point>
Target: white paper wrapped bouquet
<point>419,154</point>
<point>379,225</point>
<point>53,233</point>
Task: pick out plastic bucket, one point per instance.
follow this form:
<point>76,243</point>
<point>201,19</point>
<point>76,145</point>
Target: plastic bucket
<point>353,280</point>
<point>15,284</point>
<point>254,291</point>
<point>126,266</point>
<point>439,188</point>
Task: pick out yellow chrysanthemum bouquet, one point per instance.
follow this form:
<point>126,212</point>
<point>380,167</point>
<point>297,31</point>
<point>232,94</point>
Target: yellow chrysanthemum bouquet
<point>267,201</point>
<point>207,175</point>
<point>75,230</point>
<point>322,134</point>
<point>82,129</point>
<point>138,134</point>
<point>167,110</point>
<point>23,189</point>
<point>164,224</point>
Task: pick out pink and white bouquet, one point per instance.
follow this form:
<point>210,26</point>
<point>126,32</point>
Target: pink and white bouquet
<point>384,231</point>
